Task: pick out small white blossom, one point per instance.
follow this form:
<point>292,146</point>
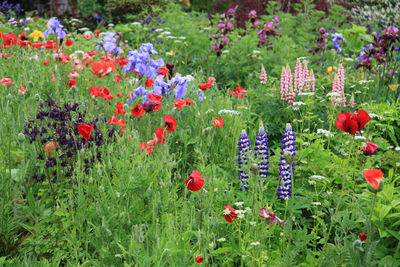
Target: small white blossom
<point>332,94</point>
<point>359,137</point>
<point>397,148</point>
<point>373,115</point>
<point>256,52</point>
<point>239,204</point>
<point>307,93</point>
<point>252,223</point>
<point>226,211</point>
<point>227,111</point>
<point>348,59</point>
<point>221,239</point>
<point>312,182</point>
<point>318,177</point>
<point>316,203</point>
<point>225,51</point>
<point>325,132</point>
<point>247,209</point>
<point>135,23</point>
<point>159,30</point>
<point>255,243</point>
<point>299,103</point>
<point>84,29</point>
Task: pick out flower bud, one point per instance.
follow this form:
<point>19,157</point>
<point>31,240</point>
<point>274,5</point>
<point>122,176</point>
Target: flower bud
<point>21,137</point>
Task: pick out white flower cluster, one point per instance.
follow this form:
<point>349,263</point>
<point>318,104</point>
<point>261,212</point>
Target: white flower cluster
<point>227,111</point>
<point>324,132</point>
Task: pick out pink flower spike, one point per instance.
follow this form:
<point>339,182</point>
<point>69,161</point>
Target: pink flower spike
<point>270,217</point>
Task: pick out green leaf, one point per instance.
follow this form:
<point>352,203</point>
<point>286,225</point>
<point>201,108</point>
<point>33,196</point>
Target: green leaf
<point>395,234</point>
<point>223,250</point>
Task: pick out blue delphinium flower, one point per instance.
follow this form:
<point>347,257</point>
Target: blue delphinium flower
<point>286,168</point>
<point>244,148</point>
<point>55,28</point>
<point>261,152</point>
<point>336,37</point>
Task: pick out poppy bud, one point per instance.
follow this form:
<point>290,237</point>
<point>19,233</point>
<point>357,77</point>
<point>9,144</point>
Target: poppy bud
<point>21,137</point>
<point>373,190</point>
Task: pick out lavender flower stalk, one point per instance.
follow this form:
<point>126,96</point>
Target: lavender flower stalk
<point>286,168</point>
<point>244,147</point>
<point>262,152</point>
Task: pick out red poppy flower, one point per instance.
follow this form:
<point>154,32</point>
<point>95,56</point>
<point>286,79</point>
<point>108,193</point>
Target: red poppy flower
<point>206,85</point>
<point>194,181</point>
<point>154,97</point>
<point>50,45</point>
<point>160,135</point>
<point>119,94</point>
<point>6,81</point>
<point>370,148</point>
<point>106,95</point>
<point>38,45</point>
<point>239,92</point>
<point>71,83</point>
<point>170,123</point>
<point>229,214</point>
<point>120,109</point>
<point>149,145</point>
<point>48,147</point>
<point>218,122</point>
<point>97,33</point>
<point>92,53</point>
<point>179,103</point>
<point>85,130</point>
<point>163,71</point>
<point>373,177</point>
<point>362,236</point>
<point>68,42</point>
<point>117,78</point>
<point>137,111</point>
<point>96,91</point>
<point>350,122</point>
<point>189,102</point>
<point>149,82</point>
<point>9,40</point>
<point>199,259</point>
<point>22,89</point>
<point>46,62</point>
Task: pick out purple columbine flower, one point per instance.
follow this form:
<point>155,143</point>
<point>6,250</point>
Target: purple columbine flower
<point>262,152</point>
<point>286,168</point>
<point>244,148</point>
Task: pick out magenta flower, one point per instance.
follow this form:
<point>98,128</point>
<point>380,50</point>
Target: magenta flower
<point>370,148</point>
<point>270,217</point>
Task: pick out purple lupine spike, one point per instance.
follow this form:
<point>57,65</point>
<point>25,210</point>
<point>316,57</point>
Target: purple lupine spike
<point>286,167</point>
<point>262,152</point>
<point>244,148</point>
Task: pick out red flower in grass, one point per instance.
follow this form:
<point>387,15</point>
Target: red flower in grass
<point>163,71</point>
<point>194,181</point>
<point>97,33</point>
<point>119,94</point>
<point>189,102</point>
<point>218,122</point>
<point>199,259</point>
<point>120,109</point>
<point>85,130</point>
<point>137,111</point>
<point>155,97</point>
<point>350,122</point>
<point>170,123</point>
<point>239,92</point>
<point>160,135</point>
<point>115,120</point>
<point>71,83</point>
<point>179,103</point>
<point>205,86</point>
<point>374,178</point>
<point>370,148</point>
<point>362,236</point>
<point>6,81</point>
<point>229,214</point>
<point>117,78</point>
<point>149,82</point>
<point>149,146</point>
<point>68,42</point>
<point>48,147</point>
<point>106,95</point>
